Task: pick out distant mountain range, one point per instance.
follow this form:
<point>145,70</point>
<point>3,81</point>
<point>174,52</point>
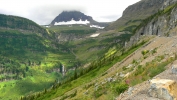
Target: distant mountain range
<point>76,17</point>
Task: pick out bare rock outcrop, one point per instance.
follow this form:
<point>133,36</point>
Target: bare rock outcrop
<point>163,89</point>
<point>167,3</point>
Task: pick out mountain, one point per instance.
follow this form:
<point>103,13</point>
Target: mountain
<point>29,53</point>
<point>151,50</point>
<point>133,14</point>
<point>75,17</point>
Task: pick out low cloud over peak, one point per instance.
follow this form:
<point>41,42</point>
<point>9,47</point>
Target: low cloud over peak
<point>45,11</point>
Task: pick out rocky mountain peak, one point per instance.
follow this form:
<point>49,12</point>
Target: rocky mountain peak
<point>76,17</point>
<point>66,16</point>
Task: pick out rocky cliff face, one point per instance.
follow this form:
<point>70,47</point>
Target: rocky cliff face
<point>161,25</point>
<point>164,25</point>
<point>137,12</point>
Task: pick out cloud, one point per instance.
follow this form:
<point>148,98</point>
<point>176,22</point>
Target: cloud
<point>45,14</point>
<point>44,11</point>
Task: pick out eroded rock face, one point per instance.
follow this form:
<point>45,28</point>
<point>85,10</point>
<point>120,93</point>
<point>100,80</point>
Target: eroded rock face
<point>163,89</point>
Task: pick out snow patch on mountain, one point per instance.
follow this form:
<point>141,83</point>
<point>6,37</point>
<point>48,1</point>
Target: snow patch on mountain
<point>95,35</point>
<point>72,22</point>
<point>96,26</point>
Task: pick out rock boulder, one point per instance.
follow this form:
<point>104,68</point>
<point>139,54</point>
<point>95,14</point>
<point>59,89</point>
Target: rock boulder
<point>174,69</point>
<point>163,89</point>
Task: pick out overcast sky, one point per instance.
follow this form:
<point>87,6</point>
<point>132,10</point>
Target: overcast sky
<point>44,11</point>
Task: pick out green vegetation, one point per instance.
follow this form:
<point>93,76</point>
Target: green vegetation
<point>121,87</point>
<point>94,48</point>
<point>130,25</point>
<point>31,60</point>
<point>144,52</point>
<point>85,76</point>
<point>88,49</point>
<point>26,60</point>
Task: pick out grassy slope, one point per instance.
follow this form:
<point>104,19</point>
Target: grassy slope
<point>110,90</point>
<point>87,78</point>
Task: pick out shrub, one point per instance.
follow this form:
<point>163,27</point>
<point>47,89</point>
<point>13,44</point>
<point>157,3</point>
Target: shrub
<point>124,68</point>
<point>139,70</point>
<point>143,53</point>
<point>121,88</point>
<point>73,94</point>
<point>99,92</point>
<point>154,51</point>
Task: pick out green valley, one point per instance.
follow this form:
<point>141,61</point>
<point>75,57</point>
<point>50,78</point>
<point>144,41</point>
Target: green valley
<point>33,57</point>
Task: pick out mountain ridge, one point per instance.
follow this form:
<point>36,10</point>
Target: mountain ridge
<point>136,13</point>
